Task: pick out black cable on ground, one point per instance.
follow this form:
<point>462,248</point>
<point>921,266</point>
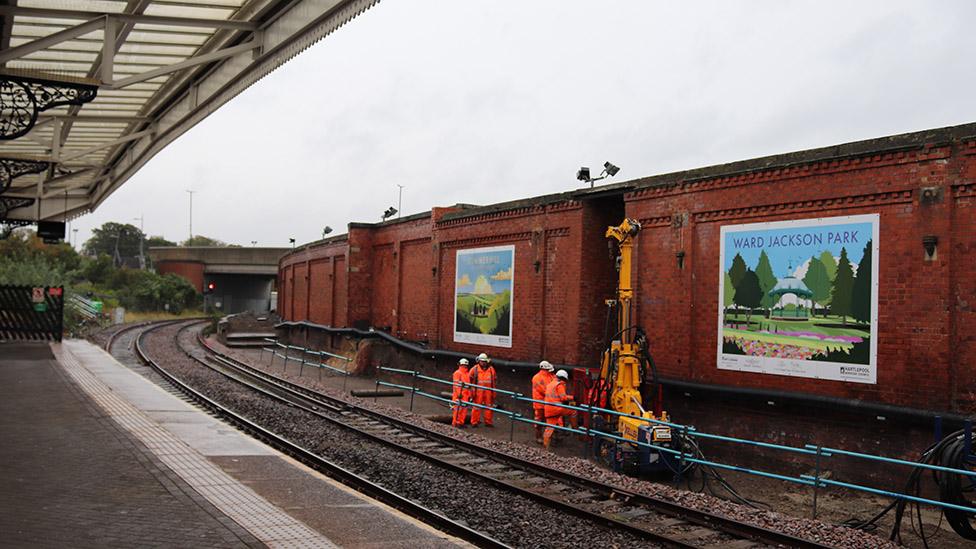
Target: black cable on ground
<point>952,487</point>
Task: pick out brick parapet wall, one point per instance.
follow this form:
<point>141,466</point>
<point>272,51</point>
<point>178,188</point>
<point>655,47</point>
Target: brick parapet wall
<point>399,276</point>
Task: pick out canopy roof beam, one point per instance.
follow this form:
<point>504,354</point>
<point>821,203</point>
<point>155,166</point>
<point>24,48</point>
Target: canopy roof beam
<point>191,62</point>
<point>107,144</point>
<point>134,18</point>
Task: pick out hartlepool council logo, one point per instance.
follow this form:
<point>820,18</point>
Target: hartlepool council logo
<point>858,371</point>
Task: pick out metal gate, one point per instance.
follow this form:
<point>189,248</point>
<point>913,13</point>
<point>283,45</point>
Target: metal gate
<point>31,313</point>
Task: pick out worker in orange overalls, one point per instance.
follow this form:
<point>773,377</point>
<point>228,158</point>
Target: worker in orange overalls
<point>462,394</point>
<point>484,376</point>
<point>539,383</point>
<point>556,394</point>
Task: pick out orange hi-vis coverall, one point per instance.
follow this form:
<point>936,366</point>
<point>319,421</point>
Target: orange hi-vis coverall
<point>556,394</point>
<point>539,383</point>
<point>461,396</point>
<point>483,375</point>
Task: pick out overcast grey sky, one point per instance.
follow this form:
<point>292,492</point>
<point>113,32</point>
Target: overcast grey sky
<point>487,101</point>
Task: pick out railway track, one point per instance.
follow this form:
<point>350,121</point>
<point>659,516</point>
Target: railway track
<point>658,521</point>
<point>359,483</point>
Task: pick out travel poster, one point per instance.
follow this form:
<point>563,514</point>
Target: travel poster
<point>483,296</point>
<point>800,298</point>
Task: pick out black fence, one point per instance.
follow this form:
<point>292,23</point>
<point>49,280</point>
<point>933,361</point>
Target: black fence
<point>31,313</point>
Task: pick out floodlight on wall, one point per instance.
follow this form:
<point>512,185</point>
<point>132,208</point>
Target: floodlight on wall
<point>326,231</point>
<point>930,244</point>
<point>609,170</point>
<point>390,212</point>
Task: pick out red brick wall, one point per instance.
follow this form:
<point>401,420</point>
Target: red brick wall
<point>190,270</point>
<point>383,285</point>
<point>315,298</point>
<point>961,250</point>
<point>679,307</point>
<point>541,327</point>
<point>300,291</point>
<point>320,291</point>
<point>401,274</point>
<point>415,309</point>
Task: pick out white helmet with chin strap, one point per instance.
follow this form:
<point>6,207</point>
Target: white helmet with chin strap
<point>546,365</point>
<point>561,374</point>
<point>463,362</point>
<point>483,358</point>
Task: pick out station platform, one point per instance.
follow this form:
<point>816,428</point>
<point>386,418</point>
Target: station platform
<point>95,455</point>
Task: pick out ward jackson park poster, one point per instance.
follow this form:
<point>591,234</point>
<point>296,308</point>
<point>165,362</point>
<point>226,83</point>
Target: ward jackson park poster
<point>483,296</point>
<point>800,298</point>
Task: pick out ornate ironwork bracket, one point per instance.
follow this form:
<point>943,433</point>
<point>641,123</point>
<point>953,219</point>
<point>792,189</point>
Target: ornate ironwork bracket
<point>23,97</point>
<point>12,168</point>
<point>8,203</point>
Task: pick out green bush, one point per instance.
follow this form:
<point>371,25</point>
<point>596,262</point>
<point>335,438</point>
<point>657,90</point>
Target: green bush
<point>26,260</point>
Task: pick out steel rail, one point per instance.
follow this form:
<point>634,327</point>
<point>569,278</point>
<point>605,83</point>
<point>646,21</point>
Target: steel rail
<point>693,516</point>
<point>347,477</point>
<point>315,406</point>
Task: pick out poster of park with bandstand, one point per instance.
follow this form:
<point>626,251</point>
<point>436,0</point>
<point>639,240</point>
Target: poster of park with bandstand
<point>800,298</point>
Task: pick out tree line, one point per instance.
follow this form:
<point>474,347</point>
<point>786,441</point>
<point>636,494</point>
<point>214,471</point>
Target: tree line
<point>126,243</point>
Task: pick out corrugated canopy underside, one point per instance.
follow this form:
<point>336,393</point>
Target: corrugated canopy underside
<point>165,66</point>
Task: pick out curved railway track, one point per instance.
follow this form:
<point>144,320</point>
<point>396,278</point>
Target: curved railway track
<point>135,334</point>
<point>658,521</point>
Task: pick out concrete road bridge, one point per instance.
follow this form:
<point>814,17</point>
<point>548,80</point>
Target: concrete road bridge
<point>90,91</point>
<point>232,279</point>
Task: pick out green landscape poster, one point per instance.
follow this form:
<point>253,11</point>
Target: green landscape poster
<point>483,296</point>
<point>800,298</point>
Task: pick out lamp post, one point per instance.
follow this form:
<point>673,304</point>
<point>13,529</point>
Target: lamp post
<point>117,257</point>
<point>142,239</point>
<point>400,201</point>
<point>191,212</point>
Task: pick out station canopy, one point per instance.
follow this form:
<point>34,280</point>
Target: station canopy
<point>90,90</point>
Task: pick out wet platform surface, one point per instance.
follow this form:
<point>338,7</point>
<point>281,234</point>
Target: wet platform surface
<point>94,455</point>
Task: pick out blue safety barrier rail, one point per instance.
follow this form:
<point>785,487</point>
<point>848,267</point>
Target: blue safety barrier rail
<point>302,353</point>
<point>819,453</point>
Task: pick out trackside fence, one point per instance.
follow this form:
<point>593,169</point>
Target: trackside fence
<point>301,355</point>
<point>820,454</point>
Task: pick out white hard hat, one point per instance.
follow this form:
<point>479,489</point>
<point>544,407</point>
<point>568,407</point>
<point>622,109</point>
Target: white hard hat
<point>545,365</point>
<point>463,361</point>
<point>483,357</point>
<point>562,374</point>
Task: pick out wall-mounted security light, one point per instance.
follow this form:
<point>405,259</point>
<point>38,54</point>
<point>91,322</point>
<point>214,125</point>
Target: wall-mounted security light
<point>609,170</point>
<point>326,231</point>
<point>390,212</point>
<point>930,243</point>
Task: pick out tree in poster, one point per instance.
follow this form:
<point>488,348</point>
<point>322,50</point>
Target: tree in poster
<point>748,294</point>
<point>829,263</point>
<point>767,280</point>
<point>729,292</point>
<point>818,281</point>
<point>738,270</point>
<point>861,300</point>
<point>840,298</point>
